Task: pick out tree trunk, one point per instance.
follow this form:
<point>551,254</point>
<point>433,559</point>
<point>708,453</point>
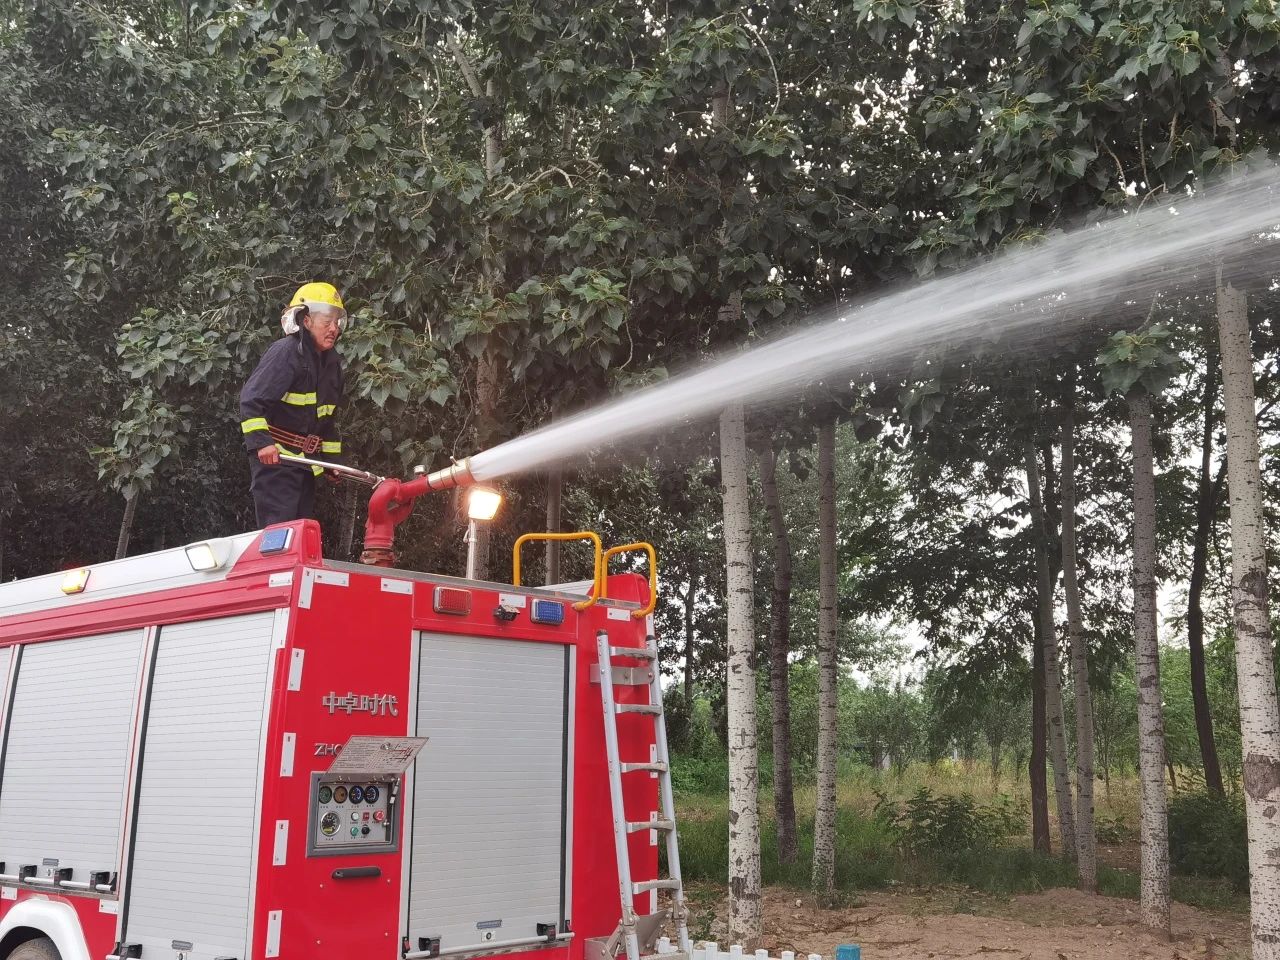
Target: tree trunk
<point>1255,667</point>
<point>690,599</point>
<point>126,526</point>
<point>784,803</point>
<point>489,370</point>
<point>824,825</point>
<point>744,773</point>
<point>1052,673</point>
<point>1154,881</point>
<point>1206,513</point>
<point>1036,766</point>
<point>347,532</point>
<point>555,485</point>
<point>1086,839</point>
<point>996,747</point>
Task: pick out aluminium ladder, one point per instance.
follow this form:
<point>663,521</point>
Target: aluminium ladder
<point>665,822</point>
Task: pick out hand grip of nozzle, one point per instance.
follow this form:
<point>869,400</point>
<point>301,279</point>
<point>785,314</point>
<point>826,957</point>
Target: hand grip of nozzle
<point>347,473</point>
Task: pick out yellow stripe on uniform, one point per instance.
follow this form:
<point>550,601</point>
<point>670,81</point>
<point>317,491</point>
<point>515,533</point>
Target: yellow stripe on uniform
<point>252,424</point>
<point>330,446</point>
<point>299,399</point>
<point>325,410</point>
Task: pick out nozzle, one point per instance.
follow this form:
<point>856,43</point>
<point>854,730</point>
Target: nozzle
<point>457,475</point>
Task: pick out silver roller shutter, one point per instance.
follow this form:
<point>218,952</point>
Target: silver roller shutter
<point>489,806</point>
<point>193,851</point>
<point>67,754</point>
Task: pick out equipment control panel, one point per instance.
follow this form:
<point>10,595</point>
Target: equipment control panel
<point>353,815</point>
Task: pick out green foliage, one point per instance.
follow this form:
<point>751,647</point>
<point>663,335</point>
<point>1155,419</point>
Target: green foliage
<point>947,828</point>
<point>1141,362</point>
<point>1111,831</point>
<point>1207,836</point>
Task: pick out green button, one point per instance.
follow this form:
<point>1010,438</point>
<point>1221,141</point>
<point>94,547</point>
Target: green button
<point>355,831</point>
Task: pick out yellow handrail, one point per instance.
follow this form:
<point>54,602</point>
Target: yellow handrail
<point>653,573</point>
<point>597,579</point>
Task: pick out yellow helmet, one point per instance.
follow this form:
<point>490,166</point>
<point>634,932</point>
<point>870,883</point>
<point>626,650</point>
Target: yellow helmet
<point>312,296</point>
<point>325,293</point>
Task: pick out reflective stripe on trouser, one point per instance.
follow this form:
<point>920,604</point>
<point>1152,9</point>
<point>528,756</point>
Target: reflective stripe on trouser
<point>330,446</point>
<point>325,409</point>
<point>281,493</point>
<point>299,399</point>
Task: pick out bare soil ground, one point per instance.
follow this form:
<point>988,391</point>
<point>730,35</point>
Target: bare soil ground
<point>958,924</point>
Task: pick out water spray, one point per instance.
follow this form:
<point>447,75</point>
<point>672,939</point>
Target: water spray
<point>1027,300</point>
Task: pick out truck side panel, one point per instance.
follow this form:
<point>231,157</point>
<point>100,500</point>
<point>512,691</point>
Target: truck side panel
<point>193,844</point>
<point>344,672</point>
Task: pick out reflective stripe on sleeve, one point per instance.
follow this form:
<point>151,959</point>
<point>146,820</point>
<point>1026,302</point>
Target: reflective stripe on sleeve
<point>252,424</point>
<point>331,446</point>
<point>325,410</point>
<point>299,399</point>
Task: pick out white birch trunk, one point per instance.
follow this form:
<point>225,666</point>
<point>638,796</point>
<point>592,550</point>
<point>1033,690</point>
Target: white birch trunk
<point>1086,839</point>
<point>824,825</point>
<point>1259,709</point>
<point>1154,832</point>
<point>1052,671</point>
<point>744,773</point>
<point>555,485</point>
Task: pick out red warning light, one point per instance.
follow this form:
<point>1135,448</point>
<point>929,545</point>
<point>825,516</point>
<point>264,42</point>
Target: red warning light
<point>453,600</point>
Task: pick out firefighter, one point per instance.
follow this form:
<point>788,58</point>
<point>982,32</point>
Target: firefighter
<point>289,404</point>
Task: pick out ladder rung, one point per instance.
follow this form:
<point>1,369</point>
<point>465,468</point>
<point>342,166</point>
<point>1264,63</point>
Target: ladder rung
<point>653,709</point>
<point>639,653</point>
<point>642,825</point>
<point>671,883</point>
<point>657,767</point>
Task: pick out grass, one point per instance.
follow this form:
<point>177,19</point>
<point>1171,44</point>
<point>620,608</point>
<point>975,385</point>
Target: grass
<point>868,856</point>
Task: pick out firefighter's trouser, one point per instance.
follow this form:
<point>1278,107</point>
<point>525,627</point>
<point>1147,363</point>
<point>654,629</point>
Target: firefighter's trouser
<point>281,493</point>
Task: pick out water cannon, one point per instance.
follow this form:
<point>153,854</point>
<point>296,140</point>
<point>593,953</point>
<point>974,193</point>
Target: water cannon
<point>392,502</point>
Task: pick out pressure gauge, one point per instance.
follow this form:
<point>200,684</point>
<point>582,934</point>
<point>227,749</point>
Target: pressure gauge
<point>329,824</point>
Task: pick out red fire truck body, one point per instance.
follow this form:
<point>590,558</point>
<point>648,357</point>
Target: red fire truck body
<point>170,726</point>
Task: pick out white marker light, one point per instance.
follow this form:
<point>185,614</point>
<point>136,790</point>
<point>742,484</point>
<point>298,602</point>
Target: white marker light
<point>74,581</point>
<point>483,503</point>
<point>207,556</point>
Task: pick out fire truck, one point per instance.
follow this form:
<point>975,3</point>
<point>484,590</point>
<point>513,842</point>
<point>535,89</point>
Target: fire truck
<point>242,750</point>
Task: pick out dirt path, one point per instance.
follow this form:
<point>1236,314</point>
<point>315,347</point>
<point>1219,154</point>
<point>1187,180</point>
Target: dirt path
<point>957,924</point>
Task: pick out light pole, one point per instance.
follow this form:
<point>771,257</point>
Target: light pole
<point>482,506</point>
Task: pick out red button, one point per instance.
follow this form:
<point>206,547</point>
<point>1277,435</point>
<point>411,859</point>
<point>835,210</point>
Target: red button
<point>379,815</point>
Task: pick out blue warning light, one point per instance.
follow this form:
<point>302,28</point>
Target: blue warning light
<point>548,612</point>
